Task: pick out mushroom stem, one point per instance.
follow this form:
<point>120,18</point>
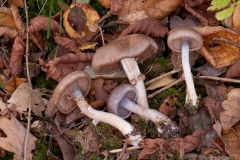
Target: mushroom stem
<point>158,118</point>
<point>99,116</point>
<point>191,96</point>
<point>136,79</point>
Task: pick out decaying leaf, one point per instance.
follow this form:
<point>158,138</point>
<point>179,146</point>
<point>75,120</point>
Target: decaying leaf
<point>208,70</point>
<point>235,18</point>
<point>187,144</point>
<point>189,21</point>
<point>131,11</point>
<point>17,19</point>
<point>214,107</point>
<point>234,70</point>
<point>8,32</point>
<point>231,115</point>
<point>88,17</point>
<point>61,66</point>
<point>18,51</point>
<point>6,18</point>
<point>21,97</point>
<point>13,83</point>
<point>148,26</point>
<point>161,82</point>
<point>18,3</point>
<point>218,92</point>
<point>219,54</point>
<point>167,106</point>
<point>41,23</point>
<point>99,93</point>
<point>105,3</point>
<point>15,140</point>
<point>231,141</point>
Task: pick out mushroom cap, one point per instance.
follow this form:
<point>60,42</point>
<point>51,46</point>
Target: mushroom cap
<point>107,58</point>
<point>120,92</point>
<point>62,93</point>
<point>177,35</point>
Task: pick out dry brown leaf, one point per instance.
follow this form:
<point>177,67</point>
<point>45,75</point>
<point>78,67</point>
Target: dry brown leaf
<point>134,10</point>
<point>109,85</point>
<point>167,107</point>
<point>231,115</point>
<point>61,66</point>
<point>214,107</point>
<point>178,22</point>
<point>234,70</point>
<point>231,141</point>
<point>235,18</point>
<point>148,26</point>
<point>187,144</point>
<point>15,140</point>
<point>6,18</point>
<point>221,55</point>
<point>164,81</point>
<point>21,97</point>
<point>17,19</point>
<point>73,116</point>
<point>234,94</point>
<point>50,109</point>
<point>8,32</point>
<point>18,3</point>
<point>105,3</point>
<point>13,83</point>
<point>18,51</point>
<point>99,93</point>
<point>66,42</point>
<point>208,70</point>
<point>217,92</point>
<point>41,23</point>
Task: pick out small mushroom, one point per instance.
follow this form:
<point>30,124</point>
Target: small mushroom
<point>126,51</point>
<point>185,40</point>
<point>69,89</point>
<point>122,102</point>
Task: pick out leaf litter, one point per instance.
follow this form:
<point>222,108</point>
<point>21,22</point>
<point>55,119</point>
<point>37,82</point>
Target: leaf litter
<point>77,35</point>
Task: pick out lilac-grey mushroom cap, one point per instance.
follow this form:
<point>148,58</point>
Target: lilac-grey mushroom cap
<point>64,90</point>
<point>120,92</point>
<point>107,58</point>
<point>176,36</point>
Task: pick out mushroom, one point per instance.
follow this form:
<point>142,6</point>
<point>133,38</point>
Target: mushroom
<point>185,40</point>
<point>69,89</point>
<point>126,51</point>
<point>122,102</point>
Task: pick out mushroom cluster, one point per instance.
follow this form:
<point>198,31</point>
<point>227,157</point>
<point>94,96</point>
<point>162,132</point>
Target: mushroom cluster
<point>123,52</point>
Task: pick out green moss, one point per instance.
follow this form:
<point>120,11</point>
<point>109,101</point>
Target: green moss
<point>40,152</point>
<point>148,128</point>
<point>8,156</point>
<point>42,82</point>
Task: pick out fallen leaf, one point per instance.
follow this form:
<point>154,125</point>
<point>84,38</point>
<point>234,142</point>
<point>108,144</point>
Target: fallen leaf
<point>41,23</point>
<point>189,21</point>
<point>234,94</point>
<point>109,85</point>
<point>222,54</point>
<point>231,141</point>
<point>15,140</point>
<point>231,115</point>
<point>99,93</point>
<point>236,22</point>
<point>8,32</point>
<point>105,3</point>
<point>6,18</point>
<point>18,3</point>
<point>208,70</point>
<point>13,83</point>
<point>22,96</point>
<point>18,51</point>
<point>187,144</point>
<point>73,116</point>
<point>234,70</point>
<point>164,81</point>
<point>214,107</point>
<point>167,107</point>
<point>67,149</point>
<point>177,61</point>
<point>50,109</point>
<point>63,65</point>
<point>217,92</point>
<point>149,26</point>
<point>17,19</point>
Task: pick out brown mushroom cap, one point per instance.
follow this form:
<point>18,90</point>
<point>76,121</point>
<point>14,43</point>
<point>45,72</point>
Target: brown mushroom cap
<point>64,90</point>
<point>107,58</point>
<point>120,92</point>
<point>177,35</point>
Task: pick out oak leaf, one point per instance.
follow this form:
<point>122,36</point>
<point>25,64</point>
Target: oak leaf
<point>222,54</point>
<point>21,98</point>
<point>13,83</point>
<point>15,140</point>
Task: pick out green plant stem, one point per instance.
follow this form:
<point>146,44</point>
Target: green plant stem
<point>30,85</point>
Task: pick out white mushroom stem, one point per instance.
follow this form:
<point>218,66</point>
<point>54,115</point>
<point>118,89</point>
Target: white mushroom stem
<point>136,79</point>
<point>156,117</point>
<point>123,126</point>
<point>191,96</point>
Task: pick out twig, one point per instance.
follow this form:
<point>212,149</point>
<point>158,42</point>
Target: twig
<point>127,149</point>
<point>163,75</point>
<point>227,41</point>
<point>122,152</point>
<point>166,87</point>
<point>218,79</point>
<point>30,84</point>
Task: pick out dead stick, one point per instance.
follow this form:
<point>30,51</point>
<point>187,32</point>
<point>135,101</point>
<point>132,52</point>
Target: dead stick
<point>128,149</point>
<point>227,41</point>
<point>122,152</point>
